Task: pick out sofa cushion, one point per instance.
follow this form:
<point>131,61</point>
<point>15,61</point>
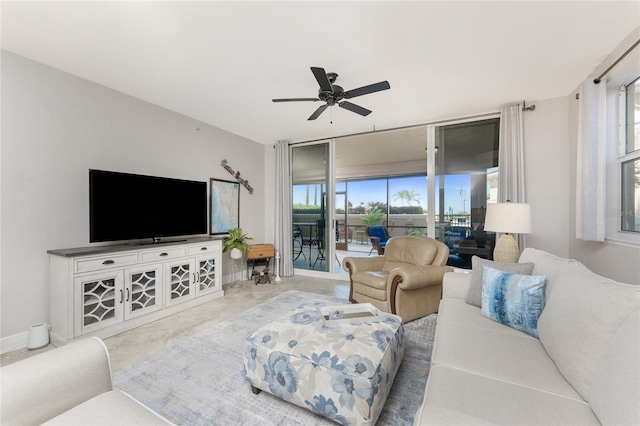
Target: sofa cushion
<point>514,358</point>
<point>375,279</point>
<point>456,284</point>
<point>474,296</point>
<point>579,322</point>
<point>615,392</point>
<point>495,401</point>
<point>113,408</point>
<point>370,289</point>
<point>436,415</point>
<point>456,311</point>
<point>549,265</point>
<point>512,299</point>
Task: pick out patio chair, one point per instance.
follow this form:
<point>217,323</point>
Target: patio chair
<point>342,233</point>
<point>454,235</point>
<point>298,243</point>
<point>319,241</point>
<point>378,236</point>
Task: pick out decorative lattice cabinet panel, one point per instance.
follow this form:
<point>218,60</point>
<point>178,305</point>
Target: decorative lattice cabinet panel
<point>99,298</point>
<point>105,290</point>
<point>179,281</point>
<point>143,291</point>
<point>206,277</point>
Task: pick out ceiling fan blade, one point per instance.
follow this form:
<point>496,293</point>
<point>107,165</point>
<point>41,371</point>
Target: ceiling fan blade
<point>317,112</point>
<point>354,108</point>
<point>296,100</point>
<point>365,90</point>
<point>323,80</point>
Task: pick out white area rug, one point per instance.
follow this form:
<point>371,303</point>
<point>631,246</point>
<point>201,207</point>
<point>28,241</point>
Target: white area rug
<point>199,380</point>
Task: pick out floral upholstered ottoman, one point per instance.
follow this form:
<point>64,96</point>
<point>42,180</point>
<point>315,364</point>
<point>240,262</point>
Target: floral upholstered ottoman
<point>343,370</point>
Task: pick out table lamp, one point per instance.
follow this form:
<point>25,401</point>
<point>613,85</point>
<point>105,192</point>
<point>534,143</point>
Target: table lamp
<point>508,218</point>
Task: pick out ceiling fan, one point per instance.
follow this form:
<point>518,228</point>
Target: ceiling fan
<point>333,94</point>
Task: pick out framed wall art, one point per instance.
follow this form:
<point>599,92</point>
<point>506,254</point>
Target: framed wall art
<point>225,206</point>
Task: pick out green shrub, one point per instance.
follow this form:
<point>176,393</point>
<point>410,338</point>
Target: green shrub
<point>406,210</point>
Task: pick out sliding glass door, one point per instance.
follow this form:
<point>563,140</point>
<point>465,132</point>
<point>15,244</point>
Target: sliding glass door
<point>464,174</point>
<point>433,180</point>
<point>312,206</point>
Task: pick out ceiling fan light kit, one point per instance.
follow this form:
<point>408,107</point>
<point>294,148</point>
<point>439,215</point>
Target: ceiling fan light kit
<point>332,94</point>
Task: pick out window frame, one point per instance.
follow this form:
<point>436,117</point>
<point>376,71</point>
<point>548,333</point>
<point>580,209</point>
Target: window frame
<point>624,156</point>
<point>624,74</point>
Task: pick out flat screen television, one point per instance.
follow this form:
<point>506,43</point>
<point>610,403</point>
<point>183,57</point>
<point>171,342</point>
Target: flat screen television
<point>126,206</point>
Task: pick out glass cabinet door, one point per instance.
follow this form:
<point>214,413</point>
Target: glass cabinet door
<point>206,278</point>
<point>101,298</point>
<point>179,281</point>
<point>143,291</point>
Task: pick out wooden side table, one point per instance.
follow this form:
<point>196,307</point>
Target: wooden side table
<point>259,255</point>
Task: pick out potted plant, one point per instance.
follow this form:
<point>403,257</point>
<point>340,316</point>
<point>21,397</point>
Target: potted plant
<point>373,216</point>
<point>236,242</point>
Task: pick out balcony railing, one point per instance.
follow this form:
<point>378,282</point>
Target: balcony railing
<point>397,225</point>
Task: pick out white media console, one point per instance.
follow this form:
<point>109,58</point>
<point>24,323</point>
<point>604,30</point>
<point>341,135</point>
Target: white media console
<point>105,290</point>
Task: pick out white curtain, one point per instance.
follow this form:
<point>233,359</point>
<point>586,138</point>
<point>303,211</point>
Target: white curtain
<point>283,222</point>
<point>590,162</point>
<point>511,160</point>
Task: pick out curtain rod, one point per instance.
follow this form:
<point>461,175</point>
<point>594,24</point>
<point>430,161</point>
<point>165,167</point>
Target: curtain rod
<point>599,78</point>
<point>412,126</point>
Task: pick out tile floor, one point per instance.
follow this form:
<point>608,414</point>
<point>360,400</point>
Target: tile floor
<point>134,345</point>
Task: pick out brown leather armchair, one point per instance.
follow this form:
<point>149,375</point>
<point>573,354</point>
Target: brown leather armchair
<point>406,280</point>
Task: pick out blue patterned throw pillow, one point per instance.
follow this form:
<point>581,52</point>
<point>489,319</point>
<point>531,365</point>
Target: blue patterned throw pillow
<point>513,300</point>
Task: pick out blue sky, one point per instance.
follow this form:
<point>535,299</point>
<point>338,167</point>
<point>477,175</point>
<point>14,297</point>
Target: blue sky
<point>457,188</point>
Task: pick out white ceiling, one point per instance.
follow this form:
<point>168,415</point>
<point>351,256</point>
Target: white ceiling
<point>223,62</point>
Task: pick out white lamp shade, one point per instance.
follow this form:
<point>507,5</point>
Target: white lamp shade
<point>512,218</point>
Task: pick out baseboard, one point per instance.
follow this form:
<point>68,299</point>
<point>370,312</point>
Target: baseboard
<point>19,341</point>
<point>15,342</point>
<point>241,275</point>
<point>12,343</point>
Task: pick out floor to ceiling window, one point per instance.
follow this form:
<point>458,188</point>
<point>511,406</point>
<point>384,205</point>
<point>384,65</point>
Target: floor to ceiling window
<point>398,203</point>
<point>466,160</point>
<point>310,210</point>
<point>407,205</point>
<point>380,178</point>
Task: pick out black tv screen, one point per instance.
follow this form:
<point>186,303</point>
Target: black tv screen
<point>127,206</point>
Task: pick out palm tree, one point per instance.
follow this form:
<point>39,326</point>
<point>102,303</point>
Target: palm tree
<point>409,196</point>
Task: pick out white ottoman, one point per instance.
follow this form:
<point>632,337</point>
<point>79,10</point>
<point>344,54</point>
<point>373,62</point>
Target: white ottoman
<point>343,372</point>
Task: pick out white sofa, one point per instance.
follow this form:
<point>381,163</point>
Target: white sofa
<point>70,385</point>
<point>584,368</point>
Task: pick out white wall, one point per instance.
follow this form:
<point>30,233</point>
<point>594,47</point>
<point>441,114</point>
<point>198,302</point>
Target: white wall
<point>546,156</point>
<point>55,127</point>
<point>270,194</point>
